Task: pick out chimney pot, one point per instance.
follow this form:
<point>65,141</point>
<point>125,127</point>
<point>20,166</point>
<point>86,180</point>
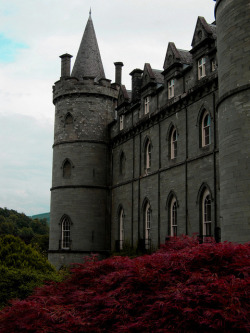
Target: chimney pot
<point>118,72</point>
<point>65,65</point>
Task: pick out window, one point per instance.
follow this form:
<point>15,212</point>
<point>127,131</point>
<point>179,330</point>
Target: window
<point>201,68</point>
<point>213,65</point>
<point>171,89</point>
<point>173,143</point>
<point>206,215</point>
<point>68,119</point>
<point>147,225</point>
<point>65,242</point>
<point>67,169</point>
<point>148,155</point>
<point>173,217</point>
<point>122,163</point>
<point>121,122</point>
<point>121,229</point>
<point>146,105</point>
<point>206,129</point>
<point>68,123</point>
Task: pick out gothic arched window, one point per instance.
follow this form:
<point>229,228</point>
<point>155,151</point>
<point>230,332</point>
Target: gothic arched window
<point>121,229</point>
<point>206,215</point>
<point>65,230</point>
<point>67,169</point>
<point>148,149</point>
<point>173,217</point>
<point>173,143</point>
<point>122,164</point>
<point>147,223</point>
<point>206,129</point>
<point>68,119</point>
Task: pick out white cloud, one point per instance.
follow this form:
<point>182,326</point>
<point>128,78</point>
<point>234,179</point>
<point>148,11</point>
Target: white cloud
<point>131,31</point>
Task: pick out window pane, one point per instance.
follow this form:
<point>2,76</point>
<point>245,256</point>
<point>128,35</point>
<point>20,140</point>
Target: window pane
<point>66,233</point>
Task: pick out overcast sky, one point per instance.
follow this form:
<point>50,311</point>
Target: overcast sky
<point>33,34</point>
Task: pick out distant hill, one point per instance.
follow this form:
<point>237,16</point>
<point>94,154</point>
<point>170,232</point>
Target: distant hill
<point>42,216</point>
<point>32,230</point>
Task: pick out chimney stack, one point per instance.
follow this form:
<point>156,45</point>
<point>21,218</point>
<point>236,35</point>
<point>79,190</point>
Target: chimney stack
<point>65,64</point>
<point>118,72</point>
<point>136,84</point>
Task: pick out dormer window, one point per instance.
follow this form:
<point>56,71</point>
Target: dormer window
<point>146,105</point>
<point>171,88</point>
<point>121,122</point>
<point>201,68</point>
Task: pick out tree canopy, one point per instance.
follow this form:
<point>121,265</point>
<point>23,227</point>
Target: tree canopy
<point>31,231</point>
<point>22,268</point>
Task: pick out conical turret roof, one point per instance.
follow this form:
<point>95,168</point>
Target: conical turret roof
<point>88,61</point>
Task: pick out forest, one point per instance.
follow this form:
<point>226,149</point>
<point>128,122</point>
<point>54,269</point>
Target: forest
<point>31,231</point>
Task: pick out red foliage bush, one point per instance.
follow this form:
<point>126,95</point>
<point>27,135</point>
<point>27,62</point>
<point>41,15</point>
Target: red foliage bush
<point>184,287</point>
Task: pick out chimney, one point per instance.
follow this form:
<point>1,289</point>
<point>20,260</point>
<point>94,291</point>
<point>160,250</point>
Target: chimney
<point>136,84</point>
<point>65,64</point>
<point>118,72</point>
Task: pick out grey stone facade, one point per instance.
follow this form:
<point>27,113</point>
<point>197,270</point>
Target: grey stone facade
<point>170,157</point>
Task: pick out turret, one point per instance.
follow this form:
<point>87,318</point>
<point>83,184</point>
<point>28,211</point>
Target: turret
<point>233,31</point>
<point>84,105</point>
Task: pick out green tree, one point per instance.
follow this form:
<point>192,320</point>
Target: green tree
<point>29,230</point>
<point>22,268</point>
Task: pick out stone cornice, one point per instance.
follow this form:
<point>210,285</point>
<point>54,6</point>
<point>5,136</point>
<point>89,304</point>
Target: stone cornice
<point>79,141</point>
<point>79,186</point>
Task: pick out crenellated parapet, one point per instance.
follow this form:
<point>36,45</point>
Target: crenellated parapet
<point>72,86</point>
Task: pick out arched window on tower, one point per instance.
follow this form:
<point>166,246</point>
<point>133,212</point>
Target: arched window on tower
<point>67,168</point>
<point>206,215</point>
<point>65,233</point>
<point>173,143</point>
<point>205,129</point>
<point>68,124</point>
<point>173,217</point>
<point>68,119</point>
<point>148,150</point>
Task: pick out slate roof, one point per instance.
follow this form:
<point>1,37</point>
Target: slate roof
<point>88,61</point>
<point>213,28</point>
<point>158,76</point>
<point>185,56</point>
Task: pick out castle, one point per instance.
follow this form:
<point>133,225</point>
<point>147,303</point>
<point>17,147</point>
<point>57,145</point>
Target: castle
<point>170,157</point>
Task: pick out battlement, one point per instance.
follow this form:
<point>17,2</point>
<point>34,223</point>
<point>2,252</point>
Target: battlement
<point>87,85</point>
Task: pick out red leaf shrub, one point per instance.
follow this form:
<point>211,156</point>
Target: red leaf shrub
<point>184,287</point>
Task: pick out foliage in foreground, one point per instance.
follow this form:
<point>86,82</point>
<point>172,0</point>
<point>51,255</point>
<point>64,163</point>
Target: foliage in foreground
<point>22,268</point>
<point>184,287</point>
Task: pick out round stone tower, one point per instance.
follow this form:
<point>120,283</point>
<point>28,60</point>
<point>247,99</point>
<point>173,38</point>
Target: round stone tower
<point>233,41</point>
<point>84,103</point>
